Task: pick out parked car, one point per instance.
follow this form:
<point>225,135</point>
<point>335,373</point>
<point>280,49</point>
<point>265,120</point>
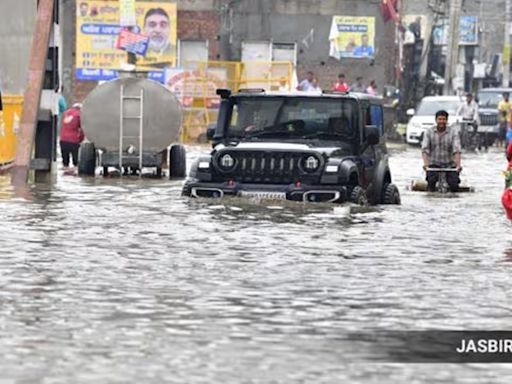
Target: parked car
<point>424,116</point>
<point>488,100</point>
<point>325,147</point>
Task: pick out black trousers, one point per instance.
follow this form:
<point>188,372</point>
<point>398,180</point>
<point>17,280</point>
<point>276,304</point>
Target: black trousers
<point>452,178</point>
<point>68,149</point>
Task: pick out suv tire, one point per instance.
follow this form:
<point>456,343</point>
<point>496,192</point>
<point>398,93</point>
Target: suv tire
<point>358,196</point>
<point>391,195</point>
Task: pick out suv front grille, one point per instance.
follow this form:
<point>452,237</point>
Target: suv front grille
<point>488,119</point>
<point>266,167</point>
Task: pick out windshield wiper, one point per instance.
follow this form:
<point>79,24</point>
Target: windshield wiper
<point>293,127</point>
<point>268,133</point>
<point>325,135</point>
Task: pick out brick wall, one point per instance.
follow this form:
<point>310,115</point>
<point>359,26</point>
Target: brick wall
<point>200,25</point>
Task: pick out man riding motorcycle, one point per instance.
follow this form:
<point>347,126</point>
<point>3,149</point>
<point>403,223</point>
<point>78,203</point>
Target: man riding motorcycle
<point>441,149</point>
<point>470,118</point>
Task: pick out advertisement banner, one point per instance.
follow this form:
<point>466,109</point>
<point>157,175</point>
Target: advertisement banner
<point>188,85</point>
<point>97,29</point>
<point>468,31</point>
<point>352,36</point>
<point>132,42</point>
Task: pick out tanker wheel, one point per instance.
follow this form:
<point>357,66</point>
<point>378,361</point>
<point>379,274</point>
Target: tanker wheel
<point>87,159</point>
<point>178,166</point>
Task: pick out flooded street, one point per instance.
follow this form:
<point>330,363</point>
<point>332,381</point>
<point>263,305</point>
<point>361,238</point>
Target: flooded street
<point>123,280</point>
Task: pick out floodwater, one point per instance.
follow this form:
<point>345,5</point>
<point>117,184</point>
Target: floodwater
<point>123,280</point>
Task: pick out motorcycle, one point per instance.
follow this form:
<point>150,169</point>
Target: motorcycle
<point>470,138</point>
<point>442,186</point>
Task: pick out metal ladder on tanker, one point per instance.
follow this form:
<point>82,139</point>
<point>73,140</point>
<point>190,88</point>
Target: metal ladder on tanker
<point>123,118</point>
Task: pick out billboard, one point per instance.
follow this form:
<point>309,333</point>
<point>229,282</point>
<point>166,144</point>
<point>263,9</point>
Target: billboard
<point>468,31</point>
<point>98,24</point>
<point>352,36</point>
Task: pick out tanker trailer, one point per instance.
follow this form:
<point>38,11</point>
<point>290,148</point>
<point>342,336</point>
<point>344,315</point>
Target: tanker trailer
<point>129,124</point>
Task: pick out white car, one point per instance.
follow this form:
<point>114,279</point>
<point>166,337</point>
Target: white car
<point>424,117</point>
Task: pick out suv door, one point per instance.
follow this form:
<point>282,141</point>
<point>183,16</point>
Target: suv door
<point>368,156</point>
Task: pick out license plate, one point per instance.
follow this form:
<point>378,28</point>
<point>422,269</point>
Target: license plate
<point>264,195</point>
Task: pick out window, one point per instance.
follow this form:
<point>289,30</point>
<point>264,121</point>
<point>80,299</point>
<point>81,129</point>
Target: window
<point>297,117</point>
<point>377,118</point>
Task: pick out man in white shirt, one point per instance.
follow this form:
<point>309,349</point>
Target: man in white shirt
<point>469,113</point>
<point>469,110</point>
<point>307,85</point>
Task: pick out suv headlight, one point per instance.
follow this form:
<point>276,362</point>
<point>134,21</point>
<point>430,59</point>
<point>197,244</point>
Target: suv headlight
<point>311,163</point>
<point>227,161</point>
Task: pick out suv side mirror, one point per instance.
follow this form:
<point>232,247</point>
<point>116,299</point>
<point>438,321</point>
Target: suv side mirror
<point>372,134</point>
<point>210,131</point>
<point>410,112</point>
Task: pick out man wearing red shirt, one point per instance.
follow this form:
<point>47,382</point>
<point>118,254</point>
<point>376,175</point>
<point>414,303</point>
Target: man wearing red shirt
<point>341,85</point>
<point>71,134</point>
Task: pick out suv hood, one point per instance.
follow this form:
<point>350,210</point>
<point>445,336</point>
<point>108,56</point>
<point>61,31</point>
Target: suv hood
<point>270,146</point>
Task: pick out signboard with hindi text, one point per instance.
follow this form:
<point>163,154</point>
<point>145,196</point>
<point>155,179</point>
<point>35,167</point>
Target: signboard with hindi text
<point>468,31</point>
<point>97,30</point>
<point>352,36</point>
<point>132,42</point>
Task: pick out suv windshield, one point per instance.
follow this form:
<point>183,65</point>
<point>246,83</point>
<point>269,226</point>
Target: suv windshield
<point>430,107</point>
<point>489,99</point>
<point>293,117</point>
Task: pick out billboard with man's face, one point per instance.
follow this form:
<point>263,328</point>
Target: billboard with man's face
<point>98,26</point>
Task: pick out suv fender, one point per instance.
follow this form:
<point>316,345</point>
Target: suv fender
<point>348,168</point>
<point>381,177</point>
<point>200,173</point>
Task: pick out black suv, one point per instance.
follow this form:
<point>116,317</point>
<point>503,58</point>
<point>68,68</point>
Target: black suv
<point>304,147</point>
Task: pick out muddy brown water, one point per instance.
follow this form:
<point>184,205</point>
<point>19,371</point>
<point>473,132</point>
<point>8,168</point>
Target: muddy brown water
<point>123,280</point>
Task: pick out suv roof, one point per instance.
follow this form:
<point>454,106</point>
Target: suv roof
<point>324,94</point>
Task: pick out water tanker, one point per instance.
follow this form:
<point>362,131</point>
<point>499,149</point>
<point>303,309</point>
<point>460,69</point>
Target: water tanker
<point>129,124</point>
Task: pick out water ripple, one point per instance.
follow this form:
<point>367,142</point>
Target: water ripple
<point>122,280</point>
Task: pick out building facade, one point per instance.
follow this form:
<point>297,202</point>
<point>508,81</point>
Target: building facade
<point>227,24</point>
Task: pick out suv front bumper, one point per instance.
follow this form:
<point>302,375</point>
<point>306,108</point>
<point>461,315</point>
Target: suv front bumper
<point>293,192</point>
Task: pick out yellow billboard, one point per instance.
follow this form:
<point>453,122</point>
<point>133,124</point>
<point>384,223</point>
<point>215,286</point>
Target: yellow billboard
<point>98,24</point>
<point>352,36</point>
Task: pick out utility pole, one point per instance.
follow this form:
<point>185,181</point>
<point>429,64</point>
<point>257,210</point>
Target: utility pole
<point>506,46</point>
<point>452,54</point>
<point>32,96</point>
